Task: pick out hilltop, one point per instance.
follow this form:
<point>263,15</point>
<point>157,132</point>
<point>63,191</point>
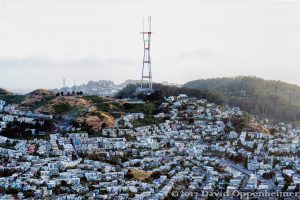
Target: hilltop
<point>80,111</point>
<point>42,92</point>
<point>268,98</point>
<point>91,113</point>
<point>5,92</point>
<point>36,98</point>
<point>10,97</point>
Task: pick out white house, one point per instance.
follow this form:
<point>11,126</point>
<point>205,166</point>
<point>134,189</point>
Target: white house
<point>8,118</point>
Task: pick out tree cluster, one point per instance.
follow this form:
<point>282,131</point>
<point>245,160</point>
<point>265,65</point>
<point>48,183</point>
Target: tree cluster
<point>73,93</point>
<point>130,91</point>
<point>21,130</point>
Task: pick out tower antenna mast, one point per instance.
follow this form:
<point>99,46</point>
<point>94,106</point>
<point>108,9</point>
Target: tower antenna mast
<point>64,85</point>
<point>146,80</point>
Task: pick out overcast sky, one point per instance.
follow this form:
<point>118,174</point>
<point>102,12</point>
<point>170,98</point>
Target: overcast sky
<point>42,41</point>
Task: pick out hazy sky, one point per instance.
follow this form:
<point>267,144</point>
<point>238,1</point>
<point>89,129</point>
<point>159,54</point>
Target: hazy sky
<point>42,41</point>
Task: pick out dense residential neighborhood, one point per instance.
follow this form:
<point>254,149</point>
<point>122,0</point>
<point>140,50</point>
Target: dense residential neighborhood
<point>195,148</point>
<point>149,100</point>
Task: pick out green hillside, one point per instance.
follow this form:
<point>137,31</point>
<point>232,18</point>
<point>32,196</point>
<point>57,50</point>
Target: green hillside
<point>274,99</point>
<point>9,97</point>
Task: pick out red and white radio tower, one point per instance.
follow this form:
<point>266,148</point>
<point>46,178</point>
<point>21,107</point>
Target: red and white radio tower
<point>146,82</point>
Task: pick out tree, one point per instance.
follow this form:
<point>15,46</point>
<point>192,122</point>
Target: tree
<point>83,180</point>
<point>168,145</point>
<point>155,175</point>
<point>131,194</point>
<point>181,163</point>
<point>239,122</point>
<point>129,175</point>
<point>275,162</point>
<point>288,181</point>
<point>64,183</point>
<point>74,157</point>
<point>269,175</point>
<point>273,131</point>
<point>137,164</point>
<point>29,193</point>
<point>255,146</point>
<point>239,143</point>
<point>191,120</point>
<point>12,191</point>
